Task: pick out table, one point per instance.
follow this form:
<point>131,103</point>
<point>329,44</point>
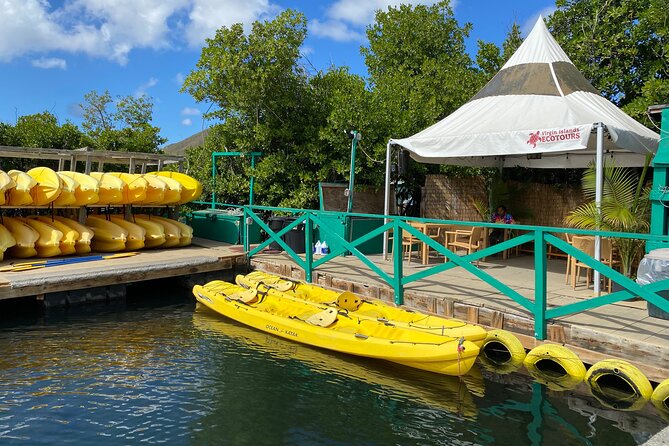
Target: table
<point>428,229</point>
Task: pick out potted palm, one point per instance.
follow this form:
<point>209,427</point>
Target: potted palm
<point>625,207</point>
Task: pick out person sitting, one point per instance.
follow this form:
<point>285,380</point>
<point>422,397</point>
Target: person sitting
<point>500,216</point>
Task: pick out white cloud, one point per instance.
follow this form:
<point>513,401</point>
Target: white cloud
<point>141,90</point>
<point>190,111</point>
<point>206,16</point>
<point>335,30</point>
<point>49,62</point>
<point>111,29</point>
<point>529,23</point>
<point>345,19</point>
<point>187,121</point>
<point>179,78</point>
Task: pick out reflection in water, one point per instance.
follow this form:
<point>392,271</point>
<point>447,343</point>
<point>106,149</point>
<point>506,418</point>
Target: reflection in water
<point>167,375</point>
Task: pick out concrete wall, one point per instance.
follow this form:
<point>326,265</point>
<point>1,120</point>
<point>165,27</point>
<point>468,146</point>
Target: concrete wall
<point>452,198</point>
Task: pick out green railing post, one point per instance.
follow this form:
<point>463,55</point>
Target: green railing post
<point>308,253</point>
<point>246,230</point>
<point>539,285</point>
<point>398,258</point>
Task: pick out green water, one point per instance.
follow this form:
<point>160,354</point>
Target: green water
<point>145,373</point>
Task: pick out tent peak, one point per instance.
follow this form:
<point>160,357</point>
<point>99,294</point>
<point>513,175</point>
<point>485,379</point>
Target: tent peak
<point>538,47</point>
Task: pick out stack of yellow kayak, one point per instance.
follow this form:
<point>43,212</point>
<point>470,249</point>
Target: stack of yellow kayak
<point>43,186</point>
<point>334,328</point>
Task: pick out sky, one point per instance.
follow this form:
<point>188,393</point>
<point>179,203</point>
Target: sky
<point>53,52</point>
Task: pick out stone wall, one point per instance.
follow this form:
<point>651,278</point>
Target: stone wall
<point>452,199</point>
<point>366,200</point>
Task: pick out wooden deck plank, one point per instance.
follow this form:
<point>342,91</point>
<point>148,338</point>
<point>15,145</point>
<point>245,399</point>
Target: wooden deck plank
<point>147,265</point>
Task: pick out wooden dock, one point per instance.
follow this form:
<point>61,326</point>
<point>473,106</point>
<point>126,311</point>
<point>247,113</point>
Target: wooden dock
<point>203,256</point>
<point>623,330</point>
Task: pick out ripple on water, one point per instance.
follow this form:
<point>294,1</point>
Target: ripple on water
<point>169,375</point>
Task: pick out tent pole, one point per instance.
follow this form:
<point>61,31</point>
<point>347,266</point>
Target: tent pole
<point>386,202</point>
<point>599,180</point>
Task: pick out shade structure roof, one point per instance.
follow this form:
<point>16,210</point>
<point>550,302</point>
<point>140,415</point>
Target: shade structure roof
<point>537,111</point>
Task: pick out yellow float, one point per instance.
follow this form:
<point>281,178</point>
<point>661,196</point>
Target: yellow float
<point>555,366</point>
<point>86,190</point>
<point>501,352</point>
<point>83,243</point>
<point>660,398</point>
<point>618,384</point>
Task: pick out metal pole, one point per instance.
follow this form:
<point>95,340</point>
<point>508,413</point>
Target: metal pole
<point>213,180</point>
<point>351,180</point>
<point>253,165</point>
<point>599,180</point>
<point>386,203</point>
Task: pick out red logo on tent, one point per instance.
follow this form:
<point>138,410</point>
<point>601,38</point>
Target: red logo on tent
<point>534,139</point>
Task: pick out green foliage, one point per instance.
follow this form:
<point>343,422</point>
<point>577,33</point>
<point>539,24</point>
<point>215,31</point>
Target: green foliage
<point>123,124</point>
<point>625,207</point>
<point>418,66</point>
<point>41,130</point>
<point>619,45</point>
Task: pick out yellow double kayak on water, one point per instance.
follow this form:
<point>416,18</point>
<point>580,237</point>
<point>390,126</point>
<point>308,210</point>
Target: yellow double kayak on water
<point>363,308</point>
<point>328,328</point>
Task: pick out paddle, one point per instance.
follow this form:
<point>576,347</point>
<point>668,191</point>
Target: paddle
<point>25,266</point>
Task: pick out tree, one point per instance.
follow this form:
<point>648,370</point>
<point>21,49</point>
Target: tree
<point>619,45</point>
<point>490,59</point>
<point>42,130</point>
<point>418,66</point>
<point>123,124</point>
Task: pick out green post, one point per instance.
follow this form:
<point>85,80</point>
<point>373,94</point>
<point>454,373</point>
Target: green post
<point>246,230</point>
<point>659,195</point>
<point>308,253</point>
<point>397,263</point>
<point>253,165</point>
<point>213,180</point>
<point>539,285</point>
<point>351,181</point>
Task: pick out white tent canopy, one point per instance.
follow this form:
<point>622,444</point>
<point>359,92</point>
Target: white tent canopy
<point>538,111</point>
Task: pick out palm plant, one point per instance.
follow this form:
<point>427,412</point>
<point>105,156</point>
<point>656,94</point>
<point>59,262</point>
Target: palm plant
<point>625,207</point>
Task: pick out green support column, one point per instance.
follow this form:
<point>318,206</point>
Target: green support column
<point>539,285</point>
<point>659,218</point>
<point>397,263</point>
<point>308,253</point>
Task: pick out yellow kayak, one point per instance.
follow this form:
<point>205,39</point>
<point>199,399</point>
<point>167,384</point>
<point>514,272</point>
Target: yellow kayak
<point>82,244</point>
<point>48,185</point>
<point>135,187</point>
<point>6,184</point>
<point>19,195</point>
<point>67,195</point>
<point>7,240</point>
<point>305,322</point>
<point>111,189</point>
<point>441,392</point>
<point>363,308</point>
<point>24,237</point>
<point>191,188</point>
<point>86,187</point>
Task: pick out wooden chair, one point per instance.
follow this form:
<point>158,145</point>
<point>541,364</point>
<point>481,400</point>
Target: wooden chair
<point>408,242</point>
<point>587,245</point>
<point>466,239</point>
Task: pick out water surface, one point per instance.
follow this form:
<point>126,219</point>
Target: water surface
<point>168,373</point>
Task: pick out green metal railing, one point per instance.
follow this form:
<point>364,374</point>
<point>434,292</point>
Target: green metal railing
<point>539,236</point>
